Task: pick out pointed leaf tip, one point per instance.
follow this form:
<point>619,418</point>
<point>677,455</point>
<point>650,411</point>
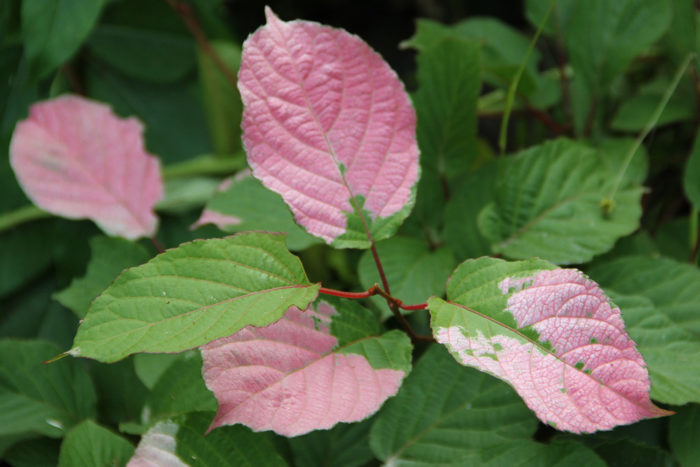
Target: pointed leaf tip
<point>555,337</point>
<point>328,125</point>
<point>75,158</point>
<point>291,378</point>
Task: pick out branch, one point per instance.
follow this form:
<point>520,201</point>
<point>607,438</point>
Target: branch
<point>188,17</point>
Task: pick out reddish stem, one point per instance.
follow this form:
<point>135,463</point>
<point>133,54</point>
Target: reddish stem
<point>380,268</point>
<point>419,306</point>
<point>343,294</point>
<point>157,245</point>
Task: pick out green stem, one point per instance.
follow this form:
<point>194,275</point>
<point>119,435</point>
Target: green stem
<point>20,216</point>
<point>512,89</point>
<point>608,204</point>
<point>694,235</point>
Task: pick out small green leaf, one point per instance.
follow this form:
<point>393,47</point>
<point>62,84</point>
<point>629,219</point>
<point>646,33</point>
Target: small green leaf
<point>413,271</point>
<point>109,257</point>
<point>38,398</point>
<point>548,204</point>
<point>53,30</point>
<point>180,390</point>
<point>194,294</point>
<point>258,208</point>
<point>91,444</point>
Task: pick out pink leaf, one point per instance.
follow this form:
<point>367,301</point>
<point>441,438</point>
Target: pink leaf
<point>286,377</point>
<point>580,372</point>
<point>76,159</point>
<point>328,125</point>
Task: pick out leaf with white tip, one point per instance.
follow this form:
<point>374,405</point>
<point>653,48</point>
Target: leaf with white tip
<point>308,371</point>
<point>328,125</point>
<point>194,294</point>
<point>76,159</point>
<point>553,335</point>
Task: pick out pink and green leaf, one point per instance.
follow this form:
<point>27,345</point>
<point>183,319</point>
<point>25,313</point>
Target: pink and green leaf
<point>75,158</point>
<point>553,335</point>
<point>194,294</point>
<point>310,370</point>
<point>328,125</point>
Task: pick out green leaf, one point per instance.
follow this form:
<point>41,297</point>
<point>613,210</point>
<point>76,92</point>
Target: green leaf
<point>186,193</point>
<point>109,257</point>
<point>150,367</point>
<point>680,39</point>
<point>503,48</point>
<point>548,204</point>
<point>602,38</point>
<point>180,390</point>
<point>449,78</point>
<point>413,271</point>
<point>634,113</point>
<point>344,445</point>
<point>682,434</point>
<point>91,444</point>
<point>193,294</point>
<point>38,398</point>
<point>133,36</point>
<point>258,208</point>
<point>53,30</point>
<point>226,446</point>
<point>222,101</point>
<point>630,452</point>
<point>661,316</point>
<point>469,197</point>
<point>691,175</point>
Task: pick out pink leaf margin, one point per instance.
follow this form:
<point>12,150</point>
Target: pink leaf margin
<point>286,378</point>
<point>75,158</point>
<point>326,121</point>
<point>593,379</point>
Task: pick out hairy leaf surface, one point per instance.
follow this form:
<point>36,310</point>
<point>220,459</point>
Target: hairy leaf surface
<point>328,125</point>
<point>548,204</point>
<point>308,371</point>
<point>76,159</point>
<point>553,335</point>
<point>194,294</point>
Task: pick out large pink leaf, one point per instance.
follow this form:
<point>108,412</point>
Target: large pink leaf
<point>290,378</point>
<point>567,355</point>
<point>328,125</point>
<point>76,159</point>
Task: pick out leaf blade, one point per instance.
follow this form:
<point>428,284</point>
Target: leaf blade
<point>194,294</point>
<point>289,377</point>
<point>346,170</point>
<point>70,158</point>
<point>552,335</point>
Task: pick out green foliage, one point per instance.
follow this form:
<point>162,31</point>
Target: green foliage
<point>198,288</point>
<point>601,172</point>
<point>91,444</point>
<point>548,204</point>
